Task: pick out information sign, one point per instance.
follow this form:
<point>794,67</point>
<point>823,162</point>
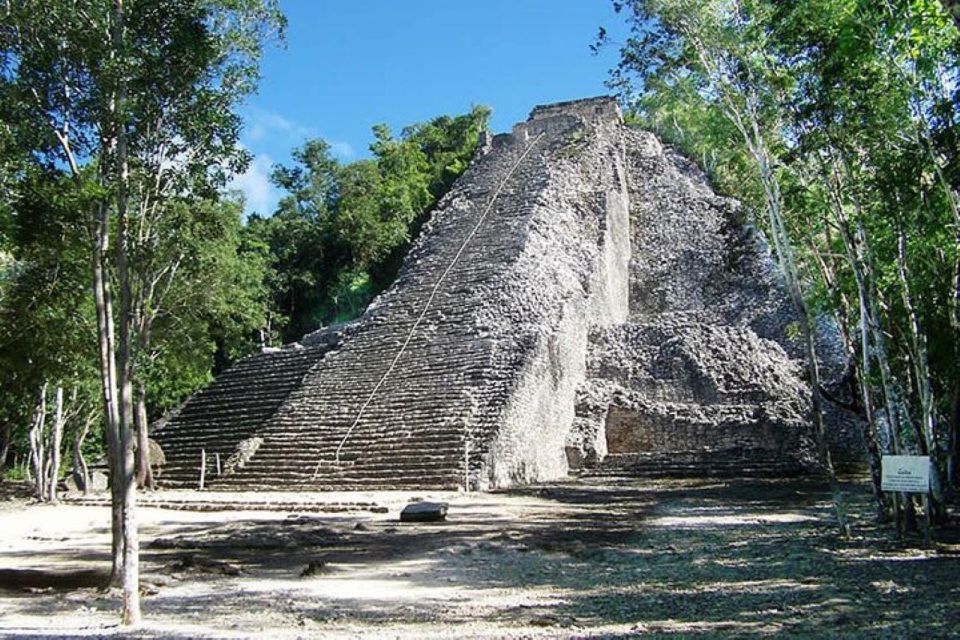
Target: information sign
<point>907,474</point>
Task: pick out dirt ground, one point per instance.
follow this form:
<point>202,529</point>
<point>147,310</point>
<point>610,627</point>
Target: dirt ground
<point>570,560</point>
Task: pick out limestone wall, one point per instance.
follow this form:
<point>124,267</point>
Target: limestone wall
<point>706,362</point>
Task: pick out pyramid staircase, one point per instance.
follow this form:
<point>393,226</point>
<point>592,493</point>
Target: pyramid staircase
<point>412,397</point>
<point>228,411</point>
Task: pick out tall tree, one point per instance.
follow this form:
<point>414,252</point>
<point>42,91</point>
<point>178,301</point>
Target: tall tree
<point>135,99</point>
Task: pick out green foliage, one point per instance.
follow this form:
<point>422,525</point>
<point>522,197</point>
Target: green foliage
<point>69,85</point>
<point>213,306</point>
<point>47,325</point>
<point>339,234</point>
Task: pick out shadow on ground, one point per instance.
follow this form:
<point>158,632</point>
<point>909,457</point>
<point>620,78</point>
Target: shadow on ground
<point>671,558</point>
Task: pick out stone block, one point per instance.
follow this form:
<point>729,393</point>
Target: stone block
<point>424,512</point>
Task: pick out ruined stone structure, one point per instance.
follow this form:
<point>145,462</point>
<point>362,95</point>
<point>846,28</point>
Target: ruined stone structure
<point>579,300</point>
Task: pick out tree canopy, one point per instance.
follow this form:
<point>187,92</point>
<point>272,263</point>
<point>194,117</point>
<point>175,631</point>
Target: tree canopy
<point>341,230</point>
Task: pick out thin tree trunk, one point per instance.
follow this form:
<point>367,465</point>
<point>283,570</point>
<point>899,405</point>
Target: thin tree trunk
<point>144,471</point>
<point>870,437</point>
<point>56,435</point>
<point>953,440</point>
<point>953,453</point>
<point>125,358</point>
<point>919,348</point>
<point>924,386</point>
<point>103,303</point>
<point>5,448</point>
<point>81,474</point>
<point>857,263</point>
<point>37,456</point>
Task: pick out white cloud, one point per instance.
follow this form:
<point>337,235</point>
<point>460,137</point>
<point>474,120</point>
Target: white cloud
<point>265,125</point>
<point>342,150</point>
<point>270,128</point>
<point>269,135</point>
<point>259,195</point>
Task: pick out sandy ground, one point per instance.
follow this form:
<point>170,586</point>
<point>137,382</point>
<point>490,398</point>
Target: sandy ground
<point>659,559</point>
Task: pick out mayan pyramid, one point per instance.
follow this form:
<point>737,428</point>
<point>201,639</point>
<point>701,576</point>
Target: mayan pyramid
<point>580,300</point>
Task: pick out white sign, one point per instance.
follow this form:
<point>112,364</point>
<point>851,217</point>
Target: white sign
<point>909,474</point>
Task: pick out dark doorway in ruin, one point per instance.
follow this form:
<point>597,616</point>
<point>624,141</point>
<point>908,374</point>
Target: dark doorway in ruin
<point>628,432</point>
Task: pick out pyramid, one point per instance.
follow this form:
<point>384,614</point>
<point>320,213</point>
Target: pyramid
<point>579,301</point>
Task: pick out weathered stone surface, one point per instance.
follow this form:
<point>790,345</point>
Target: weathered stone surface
<point>705,369</point>
<point>424,512</point>
<point>580,289</point>
<point>98,482</point>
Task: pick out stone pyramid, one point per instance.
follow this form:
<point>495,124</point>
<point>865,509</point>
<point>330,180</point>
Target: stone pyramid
<point>580,300</point>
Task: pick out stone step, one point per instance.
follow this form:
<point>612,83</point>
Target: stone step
<point>183,504</point>
<point>321,483</point>
<point>296,471</point>
<point>214,440</point>
<point>685,465</point>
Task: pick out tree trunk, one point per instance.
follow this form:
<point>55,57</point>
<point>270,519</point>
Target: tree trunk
<point>856,254</point>
<point>56,435</point>
<point>924,386</point>
<point>953,442</point>
<point>103,303</point>
<point>144,471</point>
<point>5,448</point>
<point>81,474</point>
<point>37,456</point>
<point>870,436</point>
<point>125,357</point>
<point>953,437</point>
<point>145,477</point>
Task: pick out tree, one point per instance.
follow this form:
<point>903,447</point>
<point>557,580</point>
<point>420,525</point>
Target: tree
<point>47,324</point>
<point>340,233</point>
<point>135,99</point>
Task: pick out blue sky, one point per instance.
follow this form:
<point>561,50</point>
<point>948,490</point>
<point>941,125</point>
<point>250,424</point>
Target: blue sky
<point>350,64</point>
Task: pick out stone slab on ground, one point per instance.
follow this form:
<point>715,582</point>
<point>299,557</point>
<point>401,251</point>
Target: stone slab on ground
<point>424,512</point>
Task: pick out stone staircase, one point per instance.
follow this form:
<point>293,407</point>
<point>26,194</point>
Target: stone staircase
<point>228,411</point>
<point>412,434</point>
<point>693,464</point>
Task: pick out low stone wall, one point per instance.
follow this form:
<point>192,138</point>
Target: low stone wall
<point>663,428</point>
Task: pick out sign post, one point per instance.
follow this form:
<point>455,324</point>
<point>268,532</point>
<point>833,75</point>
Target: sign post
<point>908,474</point>
<point>905,474</point>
